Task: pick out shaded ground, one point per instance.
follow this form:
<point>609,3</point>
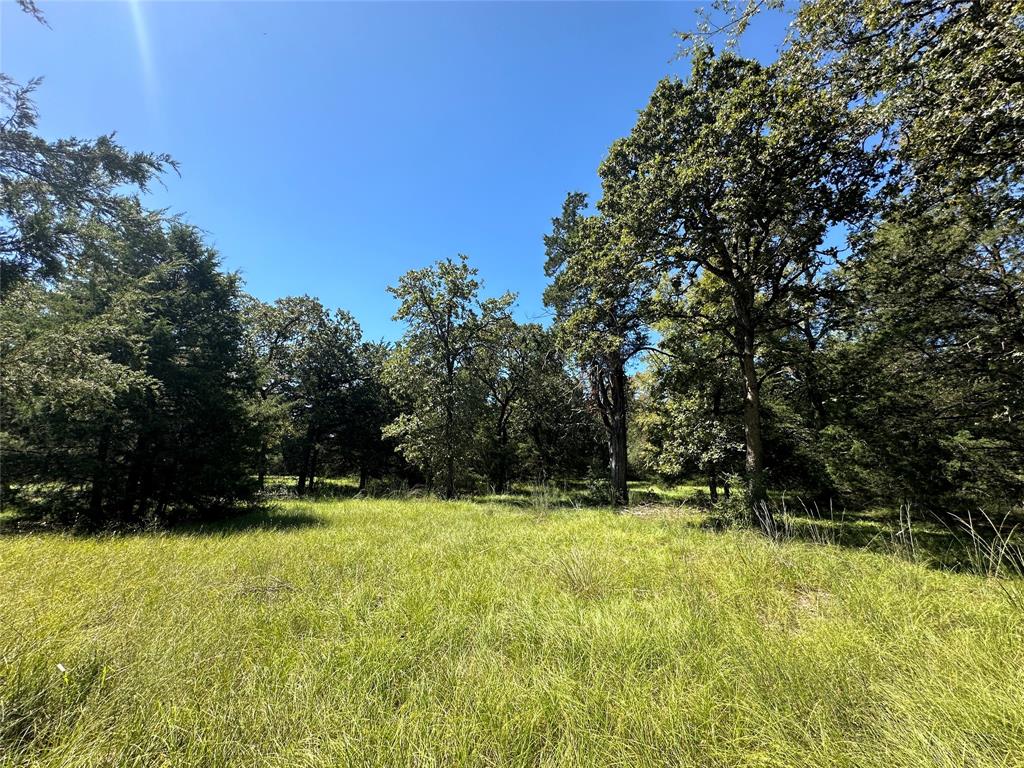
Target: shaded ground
<point>963,545</point>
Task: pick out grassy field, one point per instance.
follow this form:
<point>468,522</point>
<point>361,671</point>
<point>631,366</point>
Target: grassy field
<point>419,633</point>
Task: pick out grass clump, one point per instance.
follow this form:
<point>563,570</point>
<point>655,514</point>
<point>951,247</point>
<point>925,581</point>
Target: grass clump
<point>414,632</point>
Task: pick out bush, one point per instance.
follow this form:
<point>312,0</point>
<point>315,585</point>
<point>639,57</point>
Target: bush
<point>729,512</point>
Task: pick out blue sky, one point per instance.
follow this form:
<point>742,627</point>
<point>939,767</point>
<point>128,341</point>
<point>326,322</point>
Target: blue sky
<point>328,147</point>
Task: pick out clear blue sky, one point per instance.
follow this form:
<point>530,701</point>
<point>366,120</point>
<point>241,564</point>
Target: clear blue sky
<point>328,147</point>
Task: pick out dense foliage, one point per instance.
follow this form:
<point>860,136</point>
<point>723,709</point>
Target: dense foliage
<point>803,275</point>
<point>835,248</point>
<point>125,388</point>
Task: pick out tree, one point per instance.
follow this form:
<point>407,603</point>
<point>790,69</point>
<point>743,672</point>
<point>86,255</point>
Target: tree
<point>939,82</point>
<point>51,193</point>
<point>327,375</point>
<point>936,281</point>
<point>503,365</point>
<point>272,336</point>
<point>926,379</point>
<point>739,173</point>
<point>126,394</point>
<point>447,324</point>
<point>598,292</point>
<point>369,452</point>
<point>553,431</point>
<point>690,405</point>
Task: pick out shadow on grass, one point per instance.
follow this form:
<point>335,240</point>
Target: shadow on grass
<point>263,518</point>
<point>933,541</point>
<point>521,500</point>
<point>221,522</point>
<point>576,494</point>
<point>930,540</point>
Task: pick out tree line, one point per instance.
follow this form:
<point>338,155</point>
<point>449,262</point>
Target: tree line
<point>818,259</point>
<point>802,275</point>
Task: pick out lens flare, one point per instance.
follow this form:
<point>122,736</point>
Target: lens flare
<point>145,53</point>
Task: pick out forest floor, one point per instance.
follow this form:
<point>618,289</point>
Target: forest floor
<point>494,632</point>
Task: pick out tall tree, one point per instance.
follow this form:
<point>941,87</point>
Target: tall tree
<point>598,291</point>
<point>691,401</point>
<point>327,376</point>
<point>503,366</point>
<point>447,324</point>
<point>926,378</point>
<point>367,450</point>
<point>738,172</point>
<point>307,359</point>
<point>273,335</point>
<point>554,429</point>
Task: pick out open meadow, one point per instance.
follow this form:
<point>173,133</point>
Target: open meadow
<point>512,385</point>
<point>404,632</point>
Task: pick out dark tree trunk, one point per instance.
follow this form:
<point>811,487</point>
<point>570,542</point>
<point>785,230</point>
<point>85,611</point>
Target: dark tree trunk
<point>754,462</point>
<point>300,486</point>
<point>363,476</point>
<point>500,476</point>
<point>449,475</point>
<point>313,459</point>
<point>617,435</point>
<point>713,482</point>
<point>500,479</point>
<point>449,432</point>
<point>617,447</point>
<point>743,302</point>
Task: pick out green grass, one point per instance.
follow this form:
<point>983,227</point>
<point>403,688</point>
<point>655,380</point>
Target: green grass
<point>418,633</point>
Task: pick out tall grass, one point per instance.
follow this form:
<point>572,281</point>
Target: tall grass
<point>386,632</point>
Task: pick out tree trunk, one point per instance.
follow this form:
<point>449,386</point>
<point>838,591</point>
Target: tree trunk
<point>500,476</point>
<point>449,431</point>
<point>617,449</point>
<point>363,475</point>
<point>754,463</point>
<point>449,475</point>
<point>314,456</point>
<point>617,435</point>
<point>713,482</point>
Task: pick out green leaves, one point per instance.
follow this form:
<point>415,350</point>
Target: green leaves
<point>448,327</point>
<point>940,84</point>
<point>51,192</point>
<point>125,390</point>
